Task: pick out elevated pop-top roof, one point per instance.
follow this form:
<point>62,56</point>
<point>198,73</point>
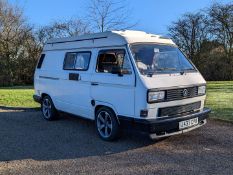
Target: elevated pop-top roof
<point>111,38</point>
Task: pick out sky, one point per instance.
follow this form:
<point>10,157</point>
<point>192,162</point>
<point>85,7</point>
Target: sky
<point>152,16</point>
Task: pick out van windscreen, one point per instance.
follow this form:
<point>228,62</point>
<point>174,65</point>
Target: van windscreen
<point>155,58</point>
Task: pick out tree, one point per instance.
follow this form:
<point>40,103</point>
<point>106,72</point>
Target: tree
<point>189,32</point>
<point>207,38</point>
<point>14,33</point>
<point>21,44</point>
<point>61,29</point>
<point>105,15</point>
<point>212,62</point>
<point>221,28</point>
<point>221,24</point>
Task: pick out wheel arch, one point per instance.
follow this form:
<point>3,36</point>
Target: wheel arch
<point>47,94</point>
<point>106,105</point>
<point>44,94</point>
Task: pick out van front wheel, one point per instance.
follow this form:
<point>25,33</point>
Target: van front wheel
<point>106,124</point>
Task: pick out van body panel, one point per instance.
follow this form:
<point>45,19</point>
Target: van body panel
<point>153,108</point>
<point>105,39</point>
<point>121,96</point>
<point>114,89</point>
<point>173,80</point>
<point>74,95</point>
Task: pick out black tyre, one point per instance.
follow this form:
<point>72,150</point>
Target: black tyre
<point>48,109</point>
<point>107,125</point>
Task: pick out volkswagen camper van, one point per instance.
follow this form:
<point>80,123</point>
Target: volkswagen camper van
<point>121,79</point>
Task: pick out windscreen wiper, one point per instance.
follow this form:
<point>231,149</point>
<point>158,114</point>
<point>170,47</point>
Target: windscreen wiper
<point>186,70</point>
<point>166,68</point>
<point>152,72</point>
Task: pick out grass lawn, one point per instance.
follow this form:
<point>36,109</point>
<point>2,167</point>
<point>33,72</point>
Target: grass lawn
<point>19,96</point>
<point>219,98</point>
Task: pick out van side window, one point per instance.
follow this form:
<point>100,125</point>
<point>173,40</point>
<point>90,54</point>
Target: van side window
<point>110,59</point>
<point>77,61</point>
<point>82,60</point>
<point>40,61</point>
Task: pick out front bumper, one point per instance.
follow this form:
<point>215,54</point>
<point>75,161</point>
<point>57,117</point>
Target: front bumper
<point>163,127</point>
<point>37,98</point>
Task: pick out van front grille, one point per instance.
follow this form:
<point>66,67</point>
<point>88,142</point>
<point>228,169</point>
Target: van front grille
<point>181,93</point>
<point>179,110</point>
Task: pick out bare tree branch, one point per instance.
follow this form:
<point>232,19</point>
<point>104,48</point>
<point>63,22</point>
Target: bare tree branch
<point>107,15</point>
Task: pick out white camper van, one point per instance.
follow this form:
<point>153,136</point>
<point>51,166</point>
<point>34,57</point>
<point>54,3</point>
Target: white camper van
<point>121,79</point>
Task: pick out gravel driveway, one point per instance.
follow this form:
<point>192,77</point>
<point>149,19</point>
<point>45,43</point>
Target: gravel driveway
<point>31,145</point>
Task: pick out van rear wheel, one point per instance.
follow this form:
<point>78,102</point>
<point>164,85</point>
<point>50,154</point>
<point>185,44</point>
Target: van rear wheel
<point>48,109</point>
<point>107,125</point>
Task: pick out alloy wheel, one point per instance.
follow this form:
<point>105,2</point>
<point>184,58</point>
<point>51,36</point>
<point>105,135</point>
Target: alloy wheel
<point>46,108</point>
<point>104,124</point>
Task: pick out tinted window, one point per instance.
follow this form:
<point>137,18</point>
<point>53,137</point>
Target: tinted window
<point>40,61</point>
<point>77,61</point>
<point>109,59</point>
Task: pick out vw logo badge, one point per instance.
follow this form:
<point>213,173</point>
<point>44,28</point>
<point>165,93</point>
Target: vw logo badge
<point>185,92</point>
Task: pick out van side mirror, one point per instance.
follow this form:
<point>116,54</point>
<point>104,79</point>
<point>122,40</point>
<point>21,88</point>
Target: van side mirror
<point>120,71</point>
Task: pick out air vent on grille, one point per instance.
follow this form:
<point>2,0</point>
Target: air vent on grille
<point>176,94</point>
<point>177,110</point>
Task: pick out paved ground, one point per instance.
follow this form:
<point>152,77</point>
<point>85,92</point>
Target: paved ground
<point>30,145</point>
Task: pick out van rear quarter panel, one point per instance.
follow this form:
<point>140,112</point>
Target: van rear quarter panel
<point>47,78</point>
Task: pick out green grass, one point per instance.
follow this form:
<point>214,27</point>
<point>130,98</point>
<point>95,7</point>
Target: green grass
<point>219,98</point>
<point>18,96</point>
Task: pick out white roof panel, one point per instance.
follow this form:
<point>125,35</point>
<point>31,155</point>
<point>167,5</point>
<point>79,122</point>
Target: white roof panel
<point>111,38</point>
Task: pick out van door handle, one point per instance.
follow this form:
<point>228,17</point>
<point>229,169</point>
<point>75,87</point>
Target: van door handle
<point>94,83</point>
